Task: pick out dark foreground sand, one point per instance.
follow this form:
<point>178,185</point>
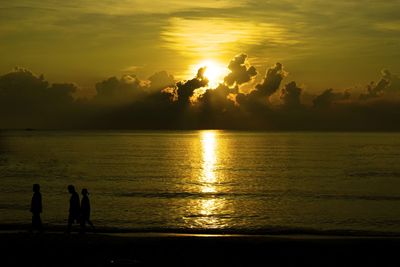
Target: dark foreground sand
<point>162,249</point>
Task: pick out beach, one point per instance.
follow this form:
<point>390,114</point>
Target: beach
<point>21,248</point>
<point>203,198</point>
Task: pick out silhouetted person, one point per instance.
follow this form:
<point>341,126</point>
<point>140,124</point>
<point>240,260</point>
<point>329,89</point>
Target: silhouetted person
<point>74,207</point>
<point>36,208</point>
<point>85,210</point>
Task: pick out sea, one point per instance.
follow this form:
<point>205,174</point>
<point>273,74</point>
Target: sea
<point>209,181</point>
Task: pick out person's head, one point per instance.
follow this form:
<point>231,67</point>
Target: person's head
<point>36,188</point>
<point>71,188</point>
<point>85,192</point>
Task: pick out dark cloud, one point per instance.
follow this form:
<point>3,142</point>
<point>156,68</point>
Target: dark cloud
<point>394,81</point>
<point>240,73</point>
<point>259,97</point>
<point>216,107</point>
<point>388,84</point>
<point>29,101</point>
<point>160,80</point>
<point>272,80</point>
<point>290,95</point>
<point>217,100</point>
<point>114,91</point>
<point>329,97</point>
<point>22,83</point>
<point>375,89</point>
<point>23,90</point>
<point>185,89</point>
<point>28,98</point>
<point>129,88</point>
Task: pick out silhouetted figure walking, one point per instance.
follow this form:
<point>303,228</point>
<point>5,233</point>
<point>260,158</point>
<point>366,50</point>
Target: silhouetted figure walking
<point>74,207</point>
<point>85,210</point>
<point>36,208</point>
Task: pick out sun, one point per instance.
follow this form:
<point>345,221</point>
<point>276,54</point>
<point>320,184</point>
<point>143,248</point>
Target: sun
<point>215,72</point>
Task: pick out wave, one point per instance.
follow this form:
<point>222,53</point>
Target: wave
<point>191,195</point>
<point>360,197</point>
<point>14,206</point>
<point>274,194</point>
<point>373,174</point>
<point>273,230</point>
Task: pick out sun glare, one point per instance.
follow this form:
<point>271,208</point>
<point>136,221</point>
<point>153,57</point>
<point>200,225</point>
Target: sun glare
<point>215,72</point>
<point>208,140</point>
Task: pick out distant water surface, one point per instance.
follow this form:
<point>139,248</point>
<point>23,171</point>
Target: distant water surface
<point>206,179</point>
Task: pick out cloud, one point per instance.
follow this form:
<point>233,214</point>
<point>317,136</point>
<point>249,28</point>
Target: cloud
<point>61,34</point>
<point>394,81</point>
<point>27,90</point>
<point>213,37</point>
<point>388,26</point>
<point>388,84</point>
<point>185,89</point>
<point>258,98</point>
<point>126,7</point>
<point>216,107</point>
<point>217,100</point>
<point>375,89</point>
<point>28,100</point>
<point>124,90</point>
<point>272,80</point>
<point>329,97</point>
<point>161,80</point>
<point>240,73</point>
<point>129,88</point>
<point>290,95</point>
<point>131,69</point>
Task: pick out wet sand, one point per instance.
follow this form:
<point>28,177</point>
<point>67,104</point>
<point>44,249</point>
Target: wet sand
<point>162,249</point>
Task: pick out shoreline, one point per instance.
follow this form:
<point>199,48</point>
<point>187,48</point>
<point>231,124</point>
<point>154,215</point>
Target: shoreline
<point>168,234</point>
<point>178,249</point>
<point>272,231</point>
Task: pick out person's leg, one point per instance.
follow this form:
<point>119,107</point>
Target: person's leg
<point>35,221</point>
<point>39,223</point>
<point>83,225</point>
<point>70,222</point>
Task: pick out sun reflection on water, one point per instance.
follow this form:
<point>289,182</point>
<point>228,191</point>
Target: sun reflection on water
<point>209,207</point>
<point>208,178</point>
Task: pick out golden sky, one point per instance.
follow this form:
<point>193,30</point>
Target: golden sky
<point>322,44</point>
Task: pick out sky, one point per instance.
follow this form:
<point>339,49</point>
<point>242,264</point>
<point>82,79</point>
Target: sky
<point>323,44</point>
<point>243,64</point>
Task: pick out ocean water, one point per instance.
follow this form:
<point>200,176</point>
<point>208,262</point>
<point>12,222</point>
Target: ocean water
<point>206,180</point>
